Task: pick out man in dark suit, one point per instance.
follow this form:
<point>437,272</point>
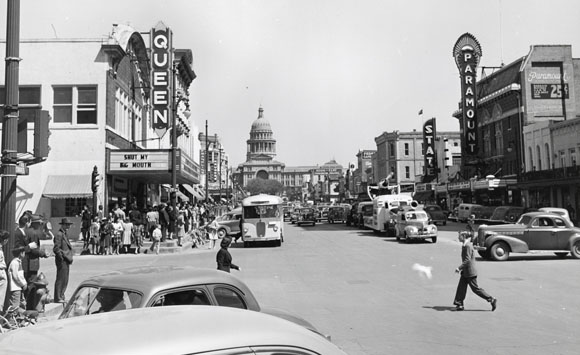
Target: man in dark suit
<point>63,257</point>
<point>469,274</point>
<point>29,239</point>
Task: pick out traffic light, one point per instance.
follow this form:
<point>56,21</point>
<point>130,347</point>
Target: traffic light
<point>95,180</point>
<point>41,134</point>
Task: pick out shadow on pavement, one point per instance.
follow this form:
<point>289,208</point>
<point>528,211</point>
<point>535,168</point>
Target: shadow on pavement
<point>452,309</point>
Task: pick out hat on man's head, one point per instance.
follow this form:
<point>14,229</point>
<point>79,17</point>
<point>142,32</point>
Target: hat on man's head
<point>17,250</point>
<point>66,221</point>
<point>36,219</point>
<point>472,217</point>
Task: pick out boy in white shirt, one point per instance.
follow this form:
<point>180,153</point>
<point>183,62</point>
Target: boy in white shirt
<point>16,276</point>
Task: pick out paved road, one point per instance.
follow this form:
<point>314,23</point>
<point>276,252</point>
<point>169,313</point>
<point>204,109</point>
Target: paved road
<point>359,287</point>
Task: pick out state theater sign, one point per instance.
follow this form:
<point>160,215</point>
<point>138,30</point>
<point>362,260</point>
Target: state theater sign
<point>467,53</point>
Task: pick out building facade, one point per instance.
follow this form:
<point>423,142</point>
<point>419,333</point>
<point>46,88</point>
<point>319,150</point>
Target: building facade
<point>98,93</point>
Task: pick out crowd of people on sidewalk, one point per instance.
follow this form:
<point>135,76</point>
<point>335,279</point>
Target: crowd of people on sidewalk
<point>121,231</point>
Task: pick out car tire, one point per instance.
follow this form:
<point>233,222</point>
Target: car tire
<point>575,249</point>
<point>434,239</point>
<point>222,233</point>
<point>407,240</point>
<point>278,243</point>
<point>246,244</point>
<point>561,255</point>
<point>500,251</point>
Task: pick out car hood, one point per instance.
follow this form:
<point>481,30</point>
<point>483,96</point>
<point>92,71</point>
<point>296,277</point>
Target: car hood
<point>280,313</point>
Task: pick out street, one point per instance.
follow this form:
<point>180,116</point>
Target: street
<point>360,288</point>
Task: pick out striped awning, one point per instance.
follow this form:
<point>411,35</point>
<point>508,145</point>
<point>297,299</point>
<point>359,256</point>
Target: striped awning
<point>192,191</point>
<point>68,186</point>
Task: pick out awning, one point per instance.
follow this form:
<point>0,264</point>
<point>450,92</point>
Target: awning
<point>182,196</point>
<point>192,191</point>
<point>423,195</point>
<point>68,186</point>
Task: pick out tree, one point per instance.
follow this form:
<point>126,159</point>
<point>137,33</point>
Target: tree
<point>262,186</point>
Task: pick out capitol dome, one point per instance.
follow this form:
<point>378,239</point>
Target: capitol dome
<point>261,124</point>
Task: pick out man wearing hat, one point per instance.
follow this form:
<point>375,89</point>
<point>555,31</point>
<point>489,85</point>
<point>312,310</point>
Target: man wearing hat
<point>63,257</point>
<point>30,240</point>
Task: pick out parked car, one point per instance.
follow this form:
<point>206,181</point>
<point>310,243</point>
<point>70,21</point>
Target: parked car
<point>168,330</point>
<point>414,224</point>
<point>452,216</point>
<point>483,213</point>
<point>338,213</point>
<point>435,212</point>
<point>156,286</point>
<point>229,223</point>
<point>294,215</point>
<point>322,212</point>
<point>306,215</point>
<point>533,231</point>
<point>559,211</point>
<point>465,210</point>
<point>505,214</point>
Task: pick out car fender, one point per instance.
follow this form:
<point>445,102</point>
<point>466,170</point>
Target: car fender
<point>516,245</point>
<point>573,238</point>
<point>292,318</point>
<point>226,228</point>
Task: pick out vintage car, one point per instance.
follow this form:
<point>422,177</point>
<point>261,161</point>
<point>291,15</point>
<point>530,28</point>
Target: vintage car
<point>168,330</point>
<point>338,214</point>
<point>157,286</point>
<point>557,210</point>
<point>306,215</point>
<point>287,213</point>
<point>413,224</point>
<point>229,223</point>
<point>533,231</point>
<point>294,215</point>
<point>505,214</point>
<point>483,213</point>
<point>436,214</point>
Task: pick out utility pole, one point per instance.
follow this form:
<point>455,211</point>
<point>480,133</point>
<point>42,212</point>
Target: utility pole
<point>205,161</point>
<point>10,125</point>
<point>173,194</point>
<point>220,174</point>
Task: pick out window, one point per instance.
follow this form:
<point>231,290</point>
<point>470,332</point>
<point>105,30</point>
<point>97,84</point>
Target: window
<point>391,150</point>
<point>29,101</point>
<point>572,152</point>
<point>186,297</point>
<point>406,148</point>
<point>547,149</point>
<point>407,172</point>
<point>228,298</point>
<point>74,206</point>
<point>539,160</point>
<point>75,104</point>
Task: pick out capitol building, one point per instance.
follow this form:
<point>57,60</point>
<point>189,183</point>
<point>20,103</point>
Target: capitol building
<point>299,181</point>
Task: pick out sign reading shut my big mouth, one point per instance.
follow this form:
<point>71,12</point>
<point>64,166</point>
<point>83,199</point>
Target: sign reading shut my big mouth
<point>139,161</point>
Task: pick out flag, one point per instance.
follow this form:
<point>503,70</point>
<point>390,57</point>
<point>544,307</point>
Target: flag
<point>420,112</point>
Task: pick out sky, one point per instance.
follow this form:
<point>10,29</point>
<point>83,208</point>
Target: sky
<point>331,75</point>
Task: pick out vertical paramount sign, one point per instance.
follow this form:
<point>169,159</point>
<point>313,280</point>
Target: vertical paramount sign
<point>161,59</point>
<point>467,53</point>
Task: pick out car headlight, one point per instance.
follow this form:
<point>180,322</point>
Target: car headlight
<point>245,230</point>
<point>432,229</point>
<point>413,230</point>
<point>275,228</point>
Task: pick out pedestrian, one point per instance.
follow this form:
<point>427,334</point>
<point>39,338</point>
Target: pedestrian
<point>4,235</point>
<point>470,227</point>
<point>180,227</point>
<point>224,258</point>
<point>152,220</point>
<point>86,218</point>
<point>156,238</point>
<point>138,232</point>
<point>164,221</point>
<point>30,241</point>
<point>211,228</point>
<point>127,235</point>
<point>468,272</point>
<point>63,258</point>
<point>107,231</point>
<point>17,281</point>
<point>117,235</point>
<point>94,235</point>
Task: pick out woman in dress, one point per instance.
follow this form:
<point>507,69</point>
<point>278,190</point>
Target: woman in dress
<point>211,228</point>
<point>117,235</point>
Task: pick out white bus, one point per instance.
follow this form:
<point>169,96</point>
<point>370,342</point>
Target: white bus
<point>262,219</point>
<point>383,207</point>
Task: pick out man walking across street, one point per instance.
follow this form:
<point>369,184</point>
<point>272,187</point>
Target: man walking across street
<point>63,257</point>
<point>469,274</point>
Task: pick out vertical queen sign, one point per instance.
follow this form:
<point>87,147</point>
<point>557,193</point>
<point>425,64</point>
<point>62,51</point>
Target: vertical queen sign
<point>467,53</point>
<point>161,55</point>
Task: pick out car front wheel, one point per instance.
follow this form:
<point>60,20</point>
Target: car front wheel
<point>575,249</point>
<point>434,239</point>
<point>500,251</point>
<point>222,233</point>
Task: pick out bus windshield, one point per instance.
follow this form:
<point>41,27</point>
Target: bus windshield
<point>263,211</point>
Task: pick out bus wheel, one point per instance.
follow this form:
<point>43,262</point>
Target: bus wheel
<point>279,243</point>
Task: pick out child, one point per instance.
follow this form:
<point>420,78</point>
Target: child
<point>138,231</point>
<point>94,235</point>
<point>126,235</point>
<point>16,277</point>
<point>156,237</point>
<point>3,277</point>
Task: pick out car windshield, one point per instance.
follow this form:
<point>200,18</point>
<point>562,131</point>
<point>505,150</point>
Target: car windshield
<point>264,211</point>
<point>432,208</point>
<point>90,300</point>
<point>524,220</point>
<point>416,216</point>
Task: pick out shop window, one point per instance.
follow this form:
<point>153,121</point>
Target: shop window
<point>74,206</point>
<point>75,104</point>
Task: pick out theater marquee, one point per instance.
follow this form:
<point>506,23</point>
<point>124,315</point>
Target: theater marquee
<point>467,53</point>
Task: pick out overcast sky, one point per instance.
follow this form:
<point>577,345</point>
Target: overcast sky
<point>331,75</point>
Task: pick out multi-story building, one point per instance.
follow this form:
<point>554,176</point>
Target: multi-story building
<point>218,170</point>
<point>99,94</point>
<point>362,174</point>
<point>527,128</point>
